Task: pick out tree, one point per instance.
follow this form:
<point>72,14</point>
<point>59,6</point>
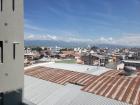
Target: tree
<point>94,48</point>
<point>37,49</point>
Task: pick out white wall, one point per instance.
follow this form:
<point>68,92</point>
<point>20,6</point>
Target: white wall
<point>11,71</point>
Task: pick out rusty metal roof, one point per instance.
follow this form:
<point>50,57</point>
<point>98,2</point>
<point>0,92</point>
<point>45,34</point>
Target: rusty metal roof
<point>111,84</point>
<point>42,92</point>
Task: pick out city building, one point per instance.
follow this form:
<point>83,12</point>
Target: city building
<point>134,63</point>
<point>94,59</point>
<point>11,52</point>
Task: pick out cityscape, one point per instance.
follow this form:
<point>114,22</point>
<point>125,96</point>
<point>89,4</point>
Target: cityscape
<point>69,52</point>
<point>106,57</point>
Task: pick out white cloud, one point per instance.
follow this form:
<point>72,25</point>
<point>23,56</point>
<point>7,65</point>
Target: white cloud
<point>28,25</point>
<point>52,37</point>
<point>132,40</point>
<point>30,37</point>
<point>127,39</point>
<point>57,38</point>
<point>40,37</point>
<point>32,27</point>
<point>104,40</point>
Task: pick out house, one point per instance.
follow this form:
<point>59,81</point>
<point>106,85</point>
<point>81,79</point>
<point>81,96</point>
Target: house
<point>68,54</point>
<point>134,63</point>
<point>94,59</point>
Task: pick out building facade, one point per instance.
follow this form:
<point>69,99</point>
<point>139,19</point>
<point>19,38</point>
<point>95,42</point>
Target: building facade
<point>11,52</point>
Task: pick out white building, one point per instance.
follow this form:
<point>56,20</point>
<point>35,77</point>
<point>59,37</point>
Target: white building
<point>11,51</point>
<point>134,63</point>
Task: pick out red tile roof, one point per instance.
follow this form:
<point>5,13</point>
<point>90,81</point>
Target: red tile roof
<point>109,84</point>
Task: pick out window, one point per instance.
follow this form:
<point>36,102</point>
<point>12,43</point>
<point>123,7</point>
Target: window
<point>14,51</point>
<point>1,5</point>
<point>1,51</point>
<point>13,5</point>
<point>1,99</point>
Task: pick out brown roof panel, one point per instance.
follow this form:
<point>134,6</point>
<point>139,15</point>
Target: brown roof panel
<point>111,84</point>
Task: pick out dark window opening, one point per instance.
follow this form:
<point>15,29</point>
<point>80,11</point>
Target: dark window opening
<point>1,99</point>
<point>1,4</point>
<point>13,5</point>
<point>14,51</point>
<point>1,51</point>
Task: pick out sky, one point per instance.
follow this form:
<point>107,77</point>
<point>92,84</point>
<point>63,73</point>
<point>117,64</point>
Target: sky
<point>91,21</point>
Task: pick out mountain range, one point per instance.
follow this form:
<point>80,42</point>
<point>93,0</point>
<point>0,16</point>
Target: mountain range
<point>64,44</point>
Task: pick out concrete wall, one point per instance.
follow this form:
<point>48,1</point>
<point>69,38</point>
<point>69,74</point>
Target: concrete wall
<point>11,30</point>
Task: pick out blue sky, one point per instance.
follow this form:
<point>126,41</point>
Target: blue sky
<point>94,21</point>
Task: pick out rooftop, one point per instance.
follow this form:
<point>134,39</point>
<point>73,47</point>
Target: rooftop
<point>42,92</point>
<point>132,61</point>
<point>110,86</point>
<point>95,70</point>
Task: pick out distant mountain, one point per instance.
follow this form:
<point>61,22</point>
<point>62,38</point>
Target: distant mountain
<point>52,43</point>
<point>111,46</point>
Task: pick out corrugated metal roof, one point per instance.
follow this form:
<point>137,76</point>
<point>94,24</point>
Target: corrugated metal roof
<point>91,99</point>
<point>109,84</point>
<point>59,76</point>
<point>37,90</point>
<point>43,92</point>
